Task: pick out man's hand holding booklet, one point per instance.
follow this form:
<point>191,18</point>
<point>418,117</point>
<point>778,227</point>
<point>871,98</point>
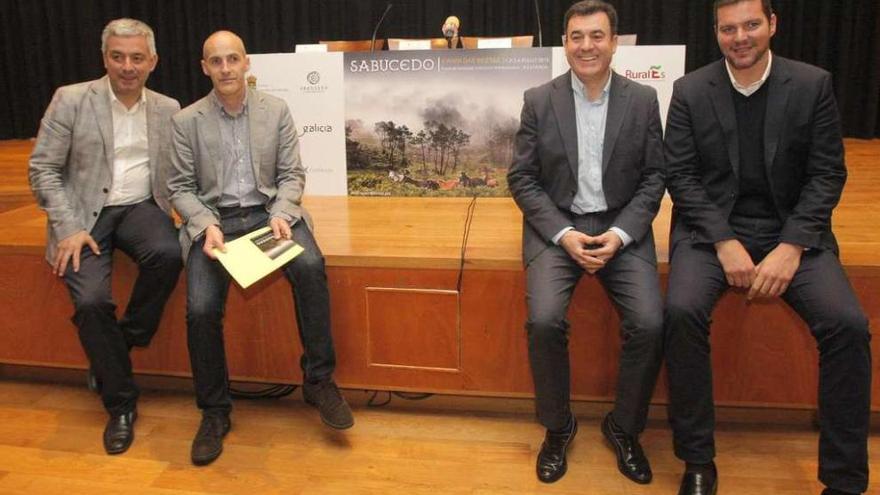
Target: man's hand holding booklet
<point>255,255</point>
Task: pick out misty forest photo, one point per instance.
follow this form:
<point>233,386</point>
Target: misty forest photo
<point>431,133</point>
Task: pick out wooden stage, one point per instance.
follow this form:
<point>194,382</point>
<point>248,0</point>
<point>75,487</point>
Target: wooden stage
<point>399,321</point>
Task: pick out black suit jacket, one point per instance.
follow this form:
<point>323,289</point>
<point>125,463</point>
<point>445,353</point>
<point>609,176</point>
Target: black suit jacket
<point>543,175</point>
<point>803,153</point>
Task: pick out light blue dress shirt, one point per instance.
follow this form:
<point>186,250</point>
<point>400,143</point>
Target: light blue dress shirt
<point>590,117</point>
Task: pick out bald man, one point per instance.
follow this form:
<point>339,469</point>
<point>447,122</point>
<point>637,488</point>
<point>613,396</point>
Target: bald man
<point>236,168</point>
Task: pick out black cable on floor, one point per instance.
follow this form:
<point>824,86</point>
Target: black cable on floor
<point>276,391</point>
<point>374,394</point>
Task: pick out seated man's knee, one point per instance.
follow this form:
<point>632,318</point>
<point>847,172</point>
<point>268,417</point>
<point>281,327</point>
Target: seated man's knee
<point>91,301</point>
<point>546,328</point>
<point>646,328</point>
<point>849,326</point>
<point>307,265</point>
<point>686,326</point>
<point>200,310</point>
<point>166,254</point>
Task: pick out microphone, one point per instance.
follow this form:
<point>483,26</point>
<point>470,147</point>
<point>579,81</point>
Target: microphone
<point>538,16</point>
<point>376,30</point>
<point>450,29</point>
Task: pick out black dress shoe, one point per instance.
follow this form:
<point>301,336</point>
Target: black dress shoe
<point>702,482</point>
<point>119,432</point>
<point>631,460</point>
<point>552,463</point>
<point>208,443</point>
<point>93,382</point>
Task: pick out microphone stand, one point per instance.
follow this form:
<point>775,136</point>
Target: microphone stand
<point>376,30</point>
<point>540,32</point>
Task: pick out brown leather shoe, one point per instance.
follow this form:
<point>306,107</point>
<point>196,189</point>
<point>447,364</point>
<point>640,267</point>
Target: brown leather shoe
<point>325,396</point>
<point>208,442</point>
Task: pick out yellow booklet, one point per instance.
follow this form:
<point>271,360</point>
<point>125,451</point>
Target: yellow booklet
<point>255,255</point>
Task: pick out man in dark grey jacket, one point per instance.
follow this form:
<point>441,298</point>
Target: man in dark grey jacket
<point>588,176</point>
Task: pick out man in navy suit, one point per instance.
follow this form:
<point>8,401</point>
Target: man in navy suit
<point>755,167</point>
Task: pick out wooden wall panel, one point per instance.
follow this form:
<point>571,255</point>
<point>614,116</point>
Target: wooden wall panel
<point>762,353</point>
<point>413,328</point>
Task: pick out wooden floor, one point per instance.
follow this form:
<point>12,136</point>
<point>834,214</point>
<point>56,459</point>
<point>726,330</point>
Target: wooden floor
<point>50,443</point>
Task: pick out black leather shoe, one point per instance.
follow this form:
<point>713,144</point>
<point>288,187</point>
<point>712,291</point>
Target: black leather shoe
<point>119,433</point>
<point>552,463</point>
<point>703,482</point>
<point>631,460</point>
<point>93,382</point>
<point>208,443</point>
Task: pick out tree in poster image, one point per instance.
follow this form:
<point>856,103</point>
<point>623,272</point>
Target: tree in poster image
<point>393,139</point>
<point>421,140</point>
<point>445,143</point>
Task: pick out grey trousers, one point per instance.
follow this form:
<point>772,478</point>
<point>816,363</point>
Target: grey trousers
<point>632,284</point>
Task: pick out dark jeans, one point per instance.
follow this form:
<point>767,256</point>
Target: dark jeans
<point>145,233</point>
<point>631,283</point>
<point>208,286</point>
<point>822,295</point>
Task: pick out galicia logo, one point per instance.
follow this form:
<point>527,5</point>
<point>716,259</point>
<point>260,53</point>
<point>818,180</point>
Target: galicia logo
<point>315,129</point>
<point>313,77</point>
<point>654,73</point>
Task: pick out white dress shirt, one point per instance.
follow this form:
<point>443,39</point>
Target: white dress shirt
<point>131,153</point>
<point>751,88</point>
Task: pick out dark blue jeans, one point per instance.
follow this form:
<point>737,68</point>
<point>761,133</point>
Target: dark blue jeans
<point>208,286</point>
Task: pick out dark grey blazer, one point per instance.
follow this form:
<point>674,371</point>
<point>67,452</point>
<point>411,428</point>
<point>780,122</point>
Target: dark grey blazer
<point>803,153</point>
<point>543,175</point>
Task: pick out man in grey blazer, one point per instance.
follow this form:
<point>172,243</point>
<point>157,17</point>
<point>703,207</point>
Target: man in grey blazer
<point>236,168</point>
<point>588,175</point>
<point>98,170</point>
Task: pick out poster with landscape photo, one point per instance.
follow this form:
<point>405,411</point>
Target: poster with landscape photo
<point>435,123</point>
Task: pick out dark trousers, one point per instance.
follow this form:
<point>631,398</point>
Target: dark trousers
<point>208,286</point>
<point>145,233</point>
<point>822,295</point>
<point>631,282</point>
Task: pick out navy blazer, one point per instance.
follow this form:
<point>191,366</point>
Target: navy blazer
<point>803,153</point>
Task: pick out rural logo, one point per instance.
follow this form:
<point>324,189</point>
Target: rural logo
<point>654,73</point>
<point>313,77</point>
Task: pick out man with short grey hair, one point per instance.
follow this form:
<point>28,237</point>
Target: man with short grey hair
<point>98,170</point>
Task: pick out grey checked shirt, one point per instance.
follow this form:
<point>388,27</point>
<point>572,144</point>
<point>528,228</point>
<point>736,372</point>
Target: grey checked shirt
<point>239,183</point>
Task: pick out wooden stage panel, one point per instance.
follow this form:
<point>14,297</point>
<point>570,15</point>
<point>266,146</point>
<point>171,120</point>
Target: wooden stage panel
<point>413,328</point>
<point>762,352</point>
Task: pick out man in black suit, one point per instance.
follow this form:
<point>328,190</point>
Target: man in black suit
<point>588,175</point>
<point>755,163</point>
